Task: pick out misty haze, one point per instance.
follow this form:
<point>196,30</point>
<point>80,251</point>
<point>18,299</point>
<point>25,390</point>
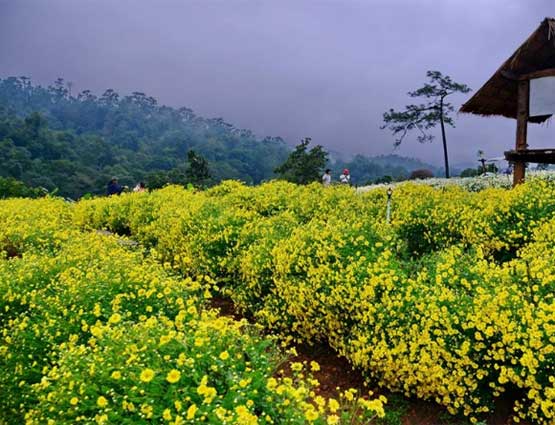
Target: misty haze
<point>321,69</point>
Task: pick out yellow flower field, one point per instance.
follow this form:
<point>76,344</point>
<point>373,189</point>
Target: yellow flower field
<point>452,301</point>
<point>94,330</point>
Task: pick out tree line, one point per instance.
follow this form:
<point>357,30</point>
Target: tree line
<point>75,143</point>
<point>51,138</point>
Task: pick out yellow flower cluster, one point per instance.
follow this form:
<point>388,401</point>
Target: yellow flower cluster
<point>96,329</point>
<point>452,301</point>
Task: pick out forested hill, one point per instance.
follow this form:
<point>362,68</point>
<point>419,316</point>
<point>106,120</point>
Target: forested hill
<point>55,139</point>
<point>51,138</point>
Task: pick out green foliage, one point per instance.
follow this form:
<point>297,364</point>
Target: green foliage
<point>12,188</point>
<point>159,179</point>
<point>383,180</point>
<point>427,115</point>
<point>397,410</point>
<point>198,172</point>
<point>364,169</point>
<point>470,172</point>
<point>52,139</point>
<point>473,172</point>
<point>303,166</point>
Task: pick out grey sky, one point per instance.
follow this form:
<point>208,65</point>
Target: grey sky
<point>290,68</point>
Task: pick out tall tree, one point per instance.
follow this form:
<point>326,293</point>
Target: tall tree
<point>303,166</point>
<point>427,115</point>
<point>198,172</point>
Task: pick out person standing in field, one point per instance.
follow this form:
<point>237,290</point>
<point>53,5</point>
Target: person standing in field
<point>140,187</point>
<point>326,178</point>
<point>345,178</point>
<point>114,188</point>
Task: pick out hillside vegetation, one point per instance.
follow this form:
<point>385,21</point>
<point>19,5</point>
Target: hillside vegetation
<point>77,143</point>
<point>53,139</point>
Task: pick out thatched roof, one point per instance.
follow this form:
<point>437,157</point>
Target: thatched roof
<point>499,95</point>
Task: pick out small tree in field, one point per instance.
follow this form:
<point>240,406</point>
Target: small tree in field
<point>424,116</point>
<point>198,172</point>
<point>303,166</point>
<point>421,174</point>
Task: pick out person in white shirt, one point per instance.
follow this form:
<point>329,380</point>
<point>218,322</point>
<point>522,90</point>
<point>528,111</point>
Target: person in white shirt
<point>326,178</point>
<point>345,178</point>
<point>140,187</point>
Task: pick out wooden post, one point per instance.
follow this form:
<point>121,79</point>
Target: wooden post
<point>521,128</point>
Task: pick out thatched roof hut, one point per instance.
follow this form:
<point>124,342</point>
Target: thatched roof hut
<point>523,88</point>
<point>499,95</point>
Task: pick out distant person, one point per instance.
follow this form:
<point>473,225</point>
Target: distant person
<point>345,177</point>
<point>114,188</point>
<point>140,187</point>
<point>326,178</point>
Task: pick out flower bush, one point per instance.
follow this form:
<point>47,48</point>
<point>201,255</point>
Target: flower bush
<point>451,301</point>
<point>95,329</point>
<point>25,225</point>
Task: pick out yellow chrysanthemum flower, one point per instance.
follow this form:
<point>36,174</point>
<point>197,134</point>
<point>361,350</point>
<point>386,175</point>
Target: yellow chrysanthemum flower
<point>173,376</point>
<point>101,401</point>
<point>146,375</point>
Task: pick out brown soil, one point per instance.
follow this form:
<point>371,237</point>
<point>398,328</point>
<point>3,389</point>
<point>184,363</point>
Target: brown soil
<point>11,251</point>
<point>226,307</point>
<point>337,375</point>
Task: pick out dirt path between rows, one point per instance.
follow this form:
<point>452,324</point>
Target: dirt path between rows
<point>336,373</point>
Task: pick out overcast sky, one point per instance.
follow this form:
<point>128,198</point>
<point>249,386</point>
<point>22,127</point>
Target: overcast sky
<point>327,69</point>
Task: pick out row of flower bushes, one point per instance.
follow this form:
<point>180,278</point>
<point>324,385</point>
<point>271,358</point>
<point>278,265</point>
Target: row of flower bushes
<point>451,301</point>
<point>93,331</point>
